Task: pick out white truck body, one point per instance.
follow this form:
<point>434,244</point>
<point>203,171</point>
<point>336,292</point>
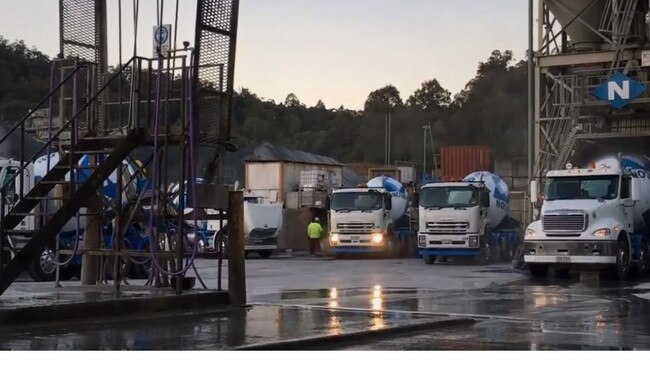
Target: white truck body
<point>362,219</point>
<point>464,218</point>
<point>592,217</point>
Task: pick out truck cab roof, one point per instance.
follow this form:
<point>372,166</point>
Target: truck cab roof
<point>453,184</point>
<point>584,172</point>
<point>359,190</point>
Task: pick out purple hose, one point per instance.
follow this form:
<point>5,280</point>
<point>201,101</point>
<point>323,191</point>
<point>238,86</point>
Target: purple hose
<point>152,227</point>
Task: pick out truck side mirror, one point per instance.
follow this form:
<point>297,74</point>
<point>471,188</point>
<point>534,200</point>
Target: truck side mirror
<point>534,191</point>
<point>388,201</point>
<point>485,199</point>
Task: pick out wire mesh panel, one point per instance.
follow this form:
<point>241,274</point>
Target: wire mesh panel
<point>216,31</point>
<point>80,30</point>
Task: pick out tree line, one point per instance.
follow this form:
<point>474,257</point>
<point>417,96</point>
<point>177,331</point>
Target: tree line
<point>490,110</point>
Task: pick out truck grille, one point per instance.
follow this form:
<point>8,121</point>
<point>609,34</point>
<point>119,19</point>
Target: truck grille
<point>451,227</point>
<point>571,222</point>
<point>355,227</point>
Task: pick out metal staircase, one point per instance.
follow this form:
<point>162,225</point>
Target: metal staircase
<point>73,140</point>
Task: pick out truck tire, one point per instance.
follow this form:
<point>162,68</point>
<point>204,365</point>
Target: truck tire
<point>623,259</point>
<point>643,266</point>
<point>429,259</point>
<point>42,269</point>
<point>485,250</point>
<point>538,270</point>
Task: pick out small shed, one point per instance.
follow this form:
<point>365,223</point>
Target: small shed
<point>273,171</point>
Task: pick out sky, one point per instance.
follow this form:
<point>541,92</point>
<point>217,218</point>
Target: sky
<point>335,50</point>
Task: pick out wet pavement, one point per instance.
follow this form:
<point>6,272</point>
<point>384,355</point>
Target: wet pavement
<point>298,298</point>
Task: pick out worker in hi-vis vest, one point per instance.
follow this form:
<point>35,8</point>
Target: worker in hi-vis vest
<point>314,231</point>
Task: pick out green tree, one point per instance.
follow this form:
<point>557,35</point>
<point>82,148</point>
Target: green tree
<point>430,97</point>
<point>383,100</point>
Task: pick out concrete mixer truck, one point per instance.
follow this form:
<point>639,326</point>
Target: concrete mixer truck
<point>594,217</point>
<point>368,219</point>
<point>43,268</point>
<point>467,219</point>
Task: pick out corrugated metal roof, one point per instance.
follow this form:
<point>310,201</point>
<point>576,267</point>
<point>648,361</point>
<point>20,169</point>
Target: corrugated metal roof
<point>351,179</point>
<point>269,152</point>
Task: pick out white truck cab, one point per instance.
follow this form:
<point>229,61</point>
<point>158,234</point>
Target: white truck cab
<point>588,219</point>
<point>453,215</point>
<point>360,220</point>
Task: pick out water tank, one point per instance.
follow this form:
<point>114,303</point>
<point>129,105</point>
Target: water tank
<point>580,36</point>
<point>499,194</point>
<point>397,191</point>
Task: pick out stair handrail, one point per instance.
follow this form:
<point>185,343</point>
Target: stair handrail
<point>25,164</point>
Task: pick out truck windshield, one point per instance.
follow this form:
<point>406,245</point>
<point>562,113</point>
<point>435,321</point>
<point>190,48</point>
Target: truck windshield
<point>439,197</point>
<point>357,201</point>
<point>582,188</point>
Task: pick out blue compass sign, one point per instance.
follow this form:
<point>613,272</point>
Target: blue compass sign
<point>619,90</point>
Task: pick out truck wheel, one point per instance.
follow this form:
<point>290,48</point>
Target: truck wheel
<point>429,259</point>
<point>538,270</point>
<point>643,266</point>
<point>623,260</point>
<point>507,251</point>
<point>43,269</point>
<point>485,250</point>
<point>265,253</point>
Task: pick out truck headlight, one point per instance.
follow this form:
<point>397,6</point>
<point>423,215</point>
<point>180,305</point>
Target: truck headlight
<point>602,233</point>
<point>473,241</point>
<point>377,238</point>
<point>530,232</point>
<point>422,241</point>
<point>334,238</point>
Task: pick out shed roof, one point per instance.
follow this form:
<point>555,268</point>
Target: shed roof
<point>268,152</point>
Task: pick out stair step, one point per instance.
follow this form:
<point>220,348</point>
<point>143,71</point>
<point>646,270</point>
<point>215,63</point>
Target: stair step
<point>46,198</point>
<point>18,231</point>
<point>55,182</point>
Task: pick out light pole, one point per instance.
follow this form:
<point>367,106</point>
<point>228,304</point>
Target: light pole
<point>425,128</point>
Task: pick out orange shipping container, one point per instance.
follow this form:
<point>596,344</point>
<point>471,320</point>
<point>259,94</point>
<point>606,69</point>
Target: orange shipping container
<point>456,162</point>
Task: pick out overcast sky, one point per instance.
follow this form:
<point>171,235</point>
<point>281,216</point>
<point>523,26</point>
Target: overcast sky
<point>335,50</point>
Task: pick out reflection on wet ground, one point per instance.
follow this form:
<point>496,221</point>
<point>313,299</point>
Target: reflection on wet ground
<point>584,313</point>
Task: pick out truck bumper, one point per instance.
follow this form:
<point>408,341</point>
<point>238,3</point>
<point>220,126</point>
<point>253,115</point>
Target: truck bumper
<point>253,244</point>
<point>357,243</point>
<point>448,245</point>
<point>569,253</point>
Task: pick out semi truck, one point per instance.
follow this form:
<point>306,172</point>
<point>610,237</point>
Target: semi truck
<point>370,218</point>
<point>593,217</point>
<point>467,219</point>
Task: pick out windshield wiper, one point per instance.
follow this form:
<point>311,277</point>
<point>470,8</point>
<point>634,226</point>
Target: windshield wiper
<point>562,198</point>
<point>460,208</point>
<point>433,208</point>
<point>342,210</point>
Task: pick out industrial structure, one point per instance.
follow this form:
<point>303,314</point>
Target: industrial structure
<point>177,98</point>
<point>590,81</point>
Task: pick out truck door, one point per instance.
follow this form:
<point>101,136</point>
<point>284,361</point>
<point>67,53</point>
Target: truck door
<point>627,209</point>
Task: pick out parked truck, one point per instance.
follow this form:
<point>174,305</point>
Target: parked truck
<point>370,218</point>
<point>43,268</point>
<point>595,217</point>
<point>467,219</point>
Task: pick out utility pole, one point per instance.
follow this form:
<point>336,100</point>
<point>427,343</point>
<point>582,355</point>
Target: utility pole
<point>425,128</point>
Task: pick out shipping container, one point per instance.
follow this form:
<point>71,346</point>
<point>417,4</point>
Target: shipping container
<point>458,161</point>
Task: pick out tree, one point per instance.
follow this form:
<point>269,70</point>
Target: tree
<point>292,101</point>
<point>383,100</point>
<point>320,105</point>
<point>430,97</point>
